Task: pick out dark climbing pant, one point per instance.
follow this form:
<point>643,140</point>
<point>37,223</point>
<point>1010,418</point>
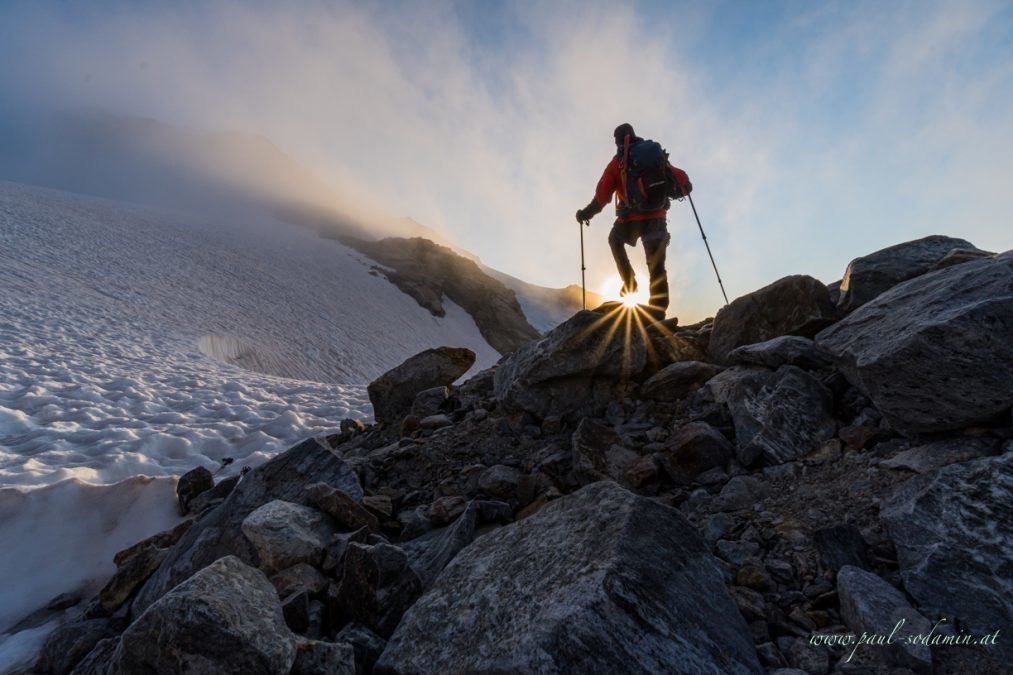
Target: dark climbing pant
<point>654,235</point>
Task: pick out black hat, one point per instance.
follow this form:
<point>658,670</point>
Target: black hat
<point>622,131</point>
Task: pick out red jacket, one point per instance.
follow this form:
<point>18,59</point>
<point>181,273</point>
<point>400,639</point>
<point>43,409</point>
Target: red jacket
<point>611,182</point>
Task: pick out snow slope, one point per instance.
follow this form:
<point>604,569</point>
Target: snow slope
<point>120,330</point>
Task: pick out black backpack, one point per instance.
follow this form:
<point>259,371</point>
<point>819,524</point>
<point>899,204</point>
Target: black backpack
<point>649,183</point>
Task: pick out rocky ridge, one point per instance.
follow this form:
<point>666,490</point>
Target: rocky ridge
<point>614,498</point>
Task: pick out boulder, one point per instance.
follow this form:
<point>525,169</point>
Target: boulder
<point>430,402</point>
<point>218,532</point>
<point>314,657</point>
<point>161,540</point>
<point>741,492</point>
<point>286,534</point>
<point>129,577</point>
<point>576,369</point>
<point>934,353</point>
<point>787,350</point>
<point>693,449</point>
<point>678,380</point>
<point>347,512</point>
<point>795,305</point>
<point>377,586</point>
<point>780,417</point>
<point>367,646</point>
<point>500,481</point>
<point>873,274</point>
<point>190,485</point>
<point>870,605</point>
<point>298,579</point>
<point>594,582</point>
<point>393,393</point>
<point>66,646</point>
<point>953,531</point>
<point>841,546</point>
<point>431,552</point>
<point>224,619</point>
<point>598,453</point>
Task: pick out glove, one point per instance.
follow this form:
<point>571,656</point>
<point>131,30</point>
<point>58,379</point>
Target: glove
<point>588,212</point>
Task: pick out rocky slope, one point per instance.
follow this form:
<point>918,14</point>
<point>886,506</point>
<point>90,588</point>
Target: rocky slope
<point>428,272</point>
<point>754,494</point>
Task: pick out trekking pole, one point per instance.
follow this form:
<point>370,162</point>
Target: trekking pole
<point>705,244</point>
<point>583,289</point>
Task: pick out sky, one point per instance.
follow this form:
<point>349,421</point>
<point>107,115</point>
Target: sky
<point>813,132</point>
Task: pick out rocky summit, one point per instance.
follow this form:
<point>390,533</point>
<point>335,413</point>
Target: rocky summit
<point>818,480</point>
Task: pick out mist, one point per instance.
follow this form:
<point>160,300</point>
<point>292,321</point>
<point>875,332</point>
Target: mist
<point>810,140</point>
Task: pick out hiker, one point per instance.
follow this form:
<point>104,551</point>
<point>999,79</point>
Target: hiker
<point>655,182</point>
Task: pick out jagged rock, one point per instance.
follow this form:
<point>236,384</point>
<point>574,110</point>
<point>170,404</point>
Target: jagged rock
<point>598,453</point>
<point>214,496</point>
<point>218,532</point>
<point>937,454</point>
<point>66,646</point>
<point>678,380</point>
<point>665,348</point>
<point>129,577</point>
<point>192,483</point>
<point>693,449</point>
<point>500,481</point>
<point>643,471</point>
<point>314,657</point>
<point>393,393</point>
<point>97,660</point>
<point>934,353</point>
<point>781,417</point>
<point>594,582</point>
<point>367,645</point>
<point>431,552</point>
<point>959,256</point>
<point>347,512</point>
<point>795,305</point>
<point>435,422</point>
<point>334,556</point>
<point>841,546</point>
<point>737,552</point>
<point>870,605</point>
<point>377,586</point>
<point>161,540</point>
<point>286,534</point>
<point>953,531</point>
<point>445,510</point>
<point>224,619</point>
<point>741,492</point>
<point>430,402</point>
<point>576,369</point>
<point>786,350</point>
<point>381,505</point>
<point>873,274</point>
<point>298,578</point>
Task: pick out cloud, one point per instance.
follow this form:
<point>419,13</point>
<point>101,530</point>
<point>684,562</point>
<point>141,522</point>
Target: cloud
<point>828,133</point>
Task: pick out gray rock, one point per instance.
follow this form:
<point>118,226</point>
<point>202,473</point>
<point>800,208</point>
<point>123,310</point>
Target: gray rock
<point>346,511</point>
<point>870,605</point>
<point>959,256</point>
<point>787,350</point>
<point>737,552</point>
<point>218,533</point>
<point>130,576</point>
<point>377,586</point>
<point>334,555</point>
<point>286,534</point>
<point>594,582</point>
<point>873,274</point>
<point>741,492</point>
<point>717,526</point>
<point>598,453</point>
<point>435,422</point>
<point>224,619</point>
<point>164,539</point>
<point>937,454</point>
<point>574,371</point>
<point>66,646</point>
<point>445,510</point>
<point>367,646</point>
<point>298,579</point>
<point>430,401</point>
<point>500,481</point>
<point>214,496</point>
<point>795,305</point>
<point>811,659</point>
<point>841,546</point>
<point>678,380</point>
<point>393,393</point>
<point>781,417</point>
<point>953,531</point>
<point>97,660</point>
<point>431,552</point>
<point>192,483</point>
<point>693,449</point>
<point>315,657</point>
<point>933,353</point>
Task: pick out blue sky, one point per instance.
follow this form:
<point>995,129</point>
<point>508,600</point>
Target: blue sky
<point>813,132</point>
